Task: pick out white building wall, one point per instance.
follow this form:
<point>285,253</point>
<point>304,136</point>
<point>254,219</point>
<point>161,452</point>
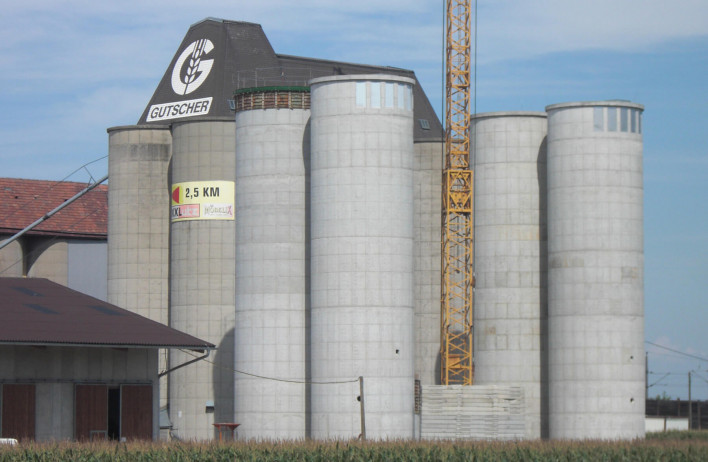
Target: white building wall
<point>56,370</point>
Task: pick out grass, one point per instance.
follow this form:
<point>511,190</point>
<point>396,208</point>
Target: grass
<point>670,446</point>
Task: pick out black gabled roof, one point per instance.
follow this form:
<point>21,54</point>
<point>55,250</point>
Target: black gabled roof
<point>35,311</point>
<point>243,57</point>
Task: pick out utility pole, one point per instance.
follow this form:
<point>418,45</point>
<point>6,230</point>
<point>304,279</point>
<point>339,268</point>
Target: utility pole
<point>690,403</point>
<point>646,375</point>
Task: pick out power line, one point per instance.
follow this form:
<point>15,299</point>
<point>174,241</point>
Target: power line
<point>700,358</point>
<point>272,378</point>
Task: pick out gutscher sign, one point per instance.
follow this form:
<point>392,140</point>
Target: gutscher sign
<point>190,71</point>
<point>166,111</point>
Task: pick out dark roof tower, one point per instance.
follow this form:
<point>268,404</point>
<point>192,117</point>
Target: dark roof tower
<point>217,57</point>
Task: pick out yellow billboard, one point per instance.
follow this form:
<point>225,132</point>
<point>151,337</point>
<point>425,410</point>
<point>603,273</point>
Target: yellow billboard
<point>203,200</point>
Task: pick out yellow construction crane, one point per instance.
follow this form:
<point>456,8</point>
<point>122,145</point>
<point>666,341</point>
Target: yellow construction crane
<point>457,217</point>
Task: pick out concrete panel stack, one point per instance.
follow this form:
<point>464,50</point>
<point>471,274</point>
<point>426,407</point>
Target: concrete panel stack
<point>510,245</point>
<point>272,157</point>
<point>595,273</point>
<point>202,273</point>
<point>362,255</point>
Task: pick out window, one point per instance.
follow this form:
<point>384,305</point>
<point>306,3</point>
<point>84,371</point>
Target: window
<point>634,120</point>
<point>612,119</point>
<point>388,95</point>
<point>624,116</point>
<point>361,94</point>
<point>599,119</point>
<point>375,94</point>
<point>401,96</point>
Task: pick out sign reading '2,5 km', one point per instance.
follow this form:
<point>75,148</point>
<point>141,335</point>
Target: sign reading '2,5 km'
<point>203,200</point>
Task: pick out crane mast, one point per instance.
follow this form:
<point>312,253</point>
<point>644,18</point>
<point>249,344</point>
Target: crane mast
<point>457,208</point>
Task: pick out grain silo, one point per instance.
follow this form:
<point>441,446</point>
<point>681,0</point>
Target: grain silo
<point>595,270</point>
<point>272,163</point>
<point>510,256</point>
<point>202,272</point>
<point>362,255</point>
<point>138,223</point>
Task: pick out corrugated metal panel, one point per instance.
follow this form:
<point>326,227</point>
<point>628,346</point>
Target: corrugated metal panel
<point>483,412</point>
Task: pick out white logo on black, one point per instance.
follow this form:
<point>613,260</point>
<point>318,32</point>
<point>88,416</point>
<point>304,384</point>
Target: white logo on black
<point>191,70</point>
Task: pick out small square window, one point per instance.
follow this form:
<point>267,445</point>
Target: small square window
<point>612,119</point>
<point>424,124</point>
<point>388,94</point>
<point>375,94</point>
<point>599,119</point>
<point>361,94</point>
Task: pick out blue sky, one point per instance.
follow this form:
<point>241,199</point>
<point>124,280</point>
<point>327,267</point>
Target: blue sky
<point>72,68</point>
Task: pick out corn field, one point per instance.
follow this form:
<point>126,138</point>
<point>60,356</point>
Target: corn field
<point>679,446</point>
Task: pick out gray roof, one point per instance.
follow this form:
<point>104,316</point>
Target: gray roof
<point>242,57</point>
<point>35,311</point>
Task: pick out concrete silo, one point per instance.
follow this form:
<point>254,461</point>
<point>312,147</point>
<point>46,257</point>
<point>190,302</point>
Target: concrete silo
<point>510,256</point>
<point>272,162</point>
<point>202,272</point>
<point>362,255</point>
<point>595,270</point>
<point>138,223</point>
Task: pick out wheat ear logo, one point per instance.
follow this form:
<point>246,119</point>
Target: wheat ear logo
<point>191,70</point>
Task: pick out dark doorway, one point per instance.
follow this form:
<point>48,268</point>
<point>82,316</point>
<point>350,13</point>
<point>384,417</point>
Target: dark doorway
<point>114,413</point>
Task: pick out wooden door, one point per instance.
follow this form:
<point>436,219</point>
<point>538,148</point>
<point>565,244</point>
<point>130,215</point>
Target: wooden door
<point>91,412</point>
<point>18,411</point>
<point>136,412</point>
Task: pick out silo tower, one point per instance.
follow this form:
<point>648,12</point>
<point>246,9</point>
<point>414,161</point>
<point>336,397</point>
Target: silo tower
<point>595,270</point>
<point>272,162</point>
<point>362,255</point>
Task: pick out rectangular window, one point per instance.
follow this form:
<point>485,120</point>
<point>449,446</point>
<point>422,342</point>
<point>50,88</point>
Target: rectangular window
<point>401,96</point>
<point>361,94</point>
<point>388,95</point>
<point>624,118</point>
<point>612,119</point>
<point>409,98</point>
<point>639,124</point>
<point>599,119</point>
<point>633,113</point>
<point>375,94</point>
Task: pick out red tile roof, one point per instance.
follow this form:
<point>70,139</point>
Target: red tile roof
<point>24,201</point>
<point>35,311</point>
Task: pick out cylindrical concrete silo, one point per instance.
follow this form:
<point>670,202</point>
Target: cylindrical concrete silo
<point>362,255</point>
<point>272,157</point>
<point>595,272</point>
<point>138,223</point>
<point>510,260</point>
<point>11,259</point>
<point>202,272</point>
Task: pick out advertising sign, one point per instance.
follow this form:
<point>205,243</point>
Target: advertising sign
<point>203,200</point>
